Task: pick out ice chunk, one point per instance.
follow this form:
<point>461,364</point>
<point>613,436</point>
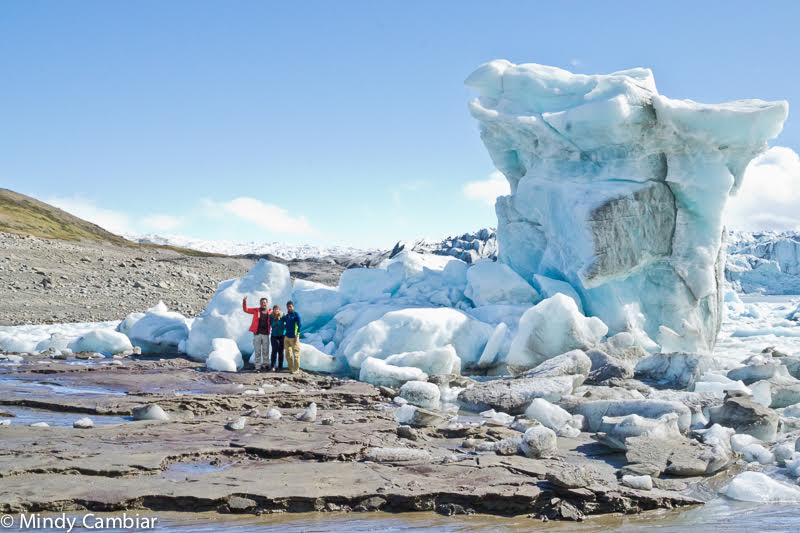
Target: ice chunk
<point>379,373</point>
<point>421,394</point>
<point>504,419</point>
<point>83,423</point>
<point>151,411</point>
<point>414,416</point>
<point>102,341</point>
<point>514,395</point>
<point>759,487</point>
<point>223,316</point>
<point>756,452</point>
<point>56,341</point>
<point>396,455</point>
<point>158,330</point>
<point>314,360</point>
<point>420,329</point>
<point>438,361</point>
<point>618,190</point>
<point>677,370</point>
<point>538,442</point>
<point>596,410</point>
<point>719,384</point>
<point>615,430</point>
<point>551,416</point>
<point>638,482</point>
<point>368,284</point>
<point>309,414</point>
<point>225,356</point>
<point>552,327</point>
<point>550,287</point>
<point>717,433</point>
<point>573,363</point>
<point>493,345</point>
<point>318,302</point>
<point>489,282</point>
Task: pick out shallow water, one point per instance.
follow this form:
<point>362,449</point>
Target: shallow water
<point>25,416</point>
<point>25,386</point>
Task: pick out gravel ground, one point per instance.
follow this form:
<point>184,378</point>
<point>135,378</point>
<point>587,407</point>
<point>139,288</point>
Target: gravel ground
<point>50,281</point>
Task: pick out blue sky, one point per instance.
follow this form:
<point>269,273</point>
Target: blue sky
<point>347,119</point>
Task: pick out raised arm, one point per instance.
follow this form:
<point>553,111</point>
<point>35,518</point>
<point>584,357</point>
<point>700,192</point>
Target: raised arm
<point>250,310</point>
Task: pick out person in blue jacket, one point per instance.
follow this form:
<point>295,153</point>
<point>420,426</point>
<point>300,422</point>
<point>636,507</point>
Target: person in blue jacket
<point>291,341</point>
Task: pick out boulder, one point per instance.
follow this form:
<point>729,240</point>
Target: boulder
<point>675,370</point>
<point>746,416</point>
<point>411,415</point>
<point>573,363</point>
<point>514,395</point>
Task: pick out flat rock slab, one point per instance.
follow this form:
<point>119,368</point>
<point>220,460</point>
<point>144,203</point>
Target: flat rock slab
<point>193,463</point>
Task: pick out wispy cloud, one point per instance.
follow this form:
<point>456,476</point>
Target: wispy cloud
<point>770,193</point>
<point>487,190</point>
<point>112,220</point>
<point>266,216</point>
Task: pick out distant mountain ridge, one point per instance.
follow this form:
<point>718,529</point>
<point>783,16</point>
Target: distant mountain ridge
<point>277,249</point>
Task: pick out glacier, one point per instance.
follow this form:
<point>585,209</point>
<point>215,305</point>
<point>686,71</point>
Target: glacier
<point>618,190</point>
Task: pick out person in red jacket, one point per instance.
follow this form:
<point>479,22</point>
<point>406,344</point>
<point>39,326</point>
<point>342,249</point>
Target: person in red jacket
<point>260,327</point>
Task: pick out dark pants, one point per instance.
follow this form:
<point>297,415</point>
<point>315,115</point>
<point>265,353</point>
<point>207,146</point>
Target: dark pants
<point>277,352</point>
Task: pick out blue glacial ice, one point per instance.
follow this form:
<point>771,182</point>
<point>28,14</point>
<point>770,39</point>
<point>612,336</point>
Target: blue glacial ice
<point>618,190</point>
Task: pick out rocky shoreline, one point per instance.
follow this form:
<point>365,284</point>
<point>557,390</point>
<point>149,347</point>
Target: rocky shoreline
<point>354,456</point>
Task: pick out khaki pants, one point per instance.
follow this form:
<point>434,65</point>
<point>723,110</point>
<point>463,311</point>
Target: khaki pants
<point>260,350</point>
<point>292,348</point>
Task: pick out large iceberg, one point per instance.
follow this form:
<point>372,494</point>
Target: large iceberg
<point>618,190</point>
<point>223,316</point>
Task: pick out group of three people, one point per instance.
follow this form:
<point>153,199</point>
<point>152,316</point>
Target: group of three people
<point>276,333</point>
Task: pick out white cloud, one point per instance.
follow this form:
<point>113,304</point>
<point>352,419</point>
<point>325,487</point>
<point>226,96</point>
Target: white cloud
<point>267,216</point>
<point>113,221</point>
<point>769,198</point>
<point>489,189</point>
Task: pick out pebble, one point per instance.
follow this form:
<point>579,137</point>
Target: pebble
<point>237,425</point>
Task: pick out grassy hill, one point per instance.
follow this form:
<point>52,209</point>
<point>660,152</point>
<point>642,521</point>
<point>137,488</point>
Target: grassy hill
<point>24,215</point>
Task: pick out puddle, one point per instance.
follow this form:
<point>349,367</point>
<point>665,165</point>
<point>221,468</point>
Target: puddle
<point>185,470</point>
<point>25,416</point>
<point>24,386</point>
